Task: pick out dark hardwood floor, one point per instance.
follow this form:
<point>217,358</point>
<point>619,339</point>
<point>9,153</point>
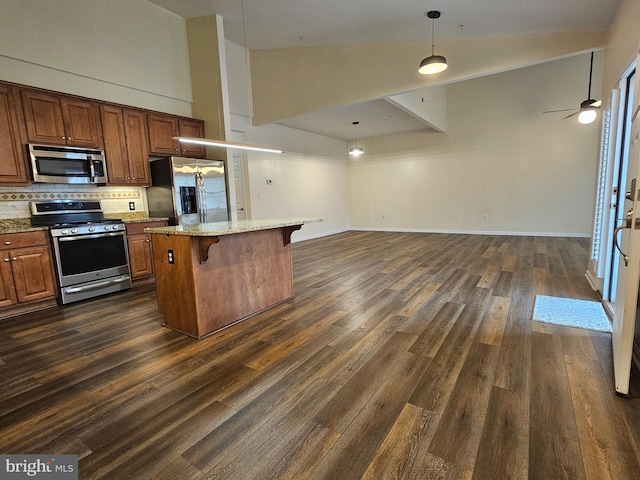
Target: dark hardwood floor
<point>403,355</point>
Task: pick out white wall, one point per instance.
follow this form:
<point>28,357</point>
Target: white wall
<point>528,172</point>
<point>309,180</point>
<point>622,43</point>
<point>124,51</point>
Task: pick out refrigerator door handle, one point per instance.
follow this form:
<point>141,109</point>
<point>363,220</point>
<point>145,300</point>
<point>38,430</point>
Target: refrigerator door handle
<point>200,198</point>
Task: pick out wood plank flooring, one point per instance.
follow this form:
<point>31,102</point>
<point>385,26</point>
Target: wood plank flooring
<point>402,356</point>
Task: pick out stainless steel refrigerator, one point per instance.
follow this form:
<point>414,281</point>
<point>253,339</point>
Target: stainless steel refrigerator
<point>188,190</point>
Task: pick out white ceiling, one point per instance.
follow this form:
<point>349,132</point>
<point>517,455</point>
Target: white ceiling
<point>262,24</point>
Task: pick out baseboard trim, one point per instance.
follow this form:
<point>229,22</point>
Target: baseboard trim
<point>473,232</point>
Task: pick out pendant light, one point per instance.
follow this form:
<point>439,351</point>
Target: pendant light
<point>434,63</point>
<point>356,151</point>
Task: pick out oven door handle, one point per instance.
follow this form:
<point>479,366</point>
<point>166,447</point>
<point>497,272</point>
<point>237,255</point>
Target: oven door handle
<point>93,286</point>
<point>95,235</point>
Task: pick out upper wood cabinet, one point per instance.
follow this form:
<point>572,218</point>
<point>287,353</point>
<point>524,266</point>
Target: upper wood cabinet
<point>126,146</point>
<point>60,120</point>
<point>162,129</point>
<point>13,156</point>
<point>194,129</point>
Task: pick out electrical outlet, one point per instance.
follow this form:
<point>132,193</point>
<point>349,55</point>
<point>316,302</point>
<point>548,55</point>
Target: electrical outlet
<point>132,205</point>
<point>485,217</point>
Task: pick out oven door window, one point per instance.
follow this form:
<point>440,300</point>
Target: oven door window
<point>58,167</point>
<point>91,253</point>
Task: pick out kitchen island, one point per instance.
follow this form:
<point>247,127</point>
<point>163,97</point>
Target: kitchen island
<point>212,275</point>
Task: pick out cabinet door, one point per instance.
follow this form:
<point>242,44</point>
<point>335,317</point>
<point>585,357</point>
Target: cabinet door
<point>43,117</point>
<point>81,122</point>
<point>7,288</point>
<point>115,147</point>
<point>194,129</point>
<point>162,129</point>
<point>140,255</point>
<point>13,158</point>
<point>137,139</point>
<point>32,273</point>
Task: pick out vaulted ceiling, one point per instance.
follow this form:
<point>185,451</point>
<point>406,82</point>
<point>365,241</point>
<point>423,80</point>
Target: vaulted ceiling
<point>272,24</point>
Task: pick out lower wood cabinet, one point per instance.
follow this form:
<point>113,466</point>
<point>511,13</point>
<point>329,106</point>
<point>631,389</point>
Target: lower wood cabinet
<point>141,252</point>
<point>26,269</point>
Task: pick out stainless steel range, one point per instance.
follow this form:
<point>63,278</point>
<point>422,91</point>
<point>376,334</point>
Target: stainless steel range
<point>90,251</point>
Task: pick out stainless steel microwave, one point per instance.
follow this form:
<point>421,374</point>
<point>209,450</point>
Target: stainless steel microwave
<point>51,164</point>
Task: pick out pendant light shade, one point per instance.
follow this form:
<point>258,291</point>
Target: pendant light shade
<point>434,63</point>
<point>356,151</point>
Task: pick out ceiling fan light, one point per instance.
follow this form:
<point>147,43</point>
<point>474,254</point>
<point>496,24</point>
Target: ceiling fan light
<point>356,151</point>
<point>433,64</point>
<point>587,116</point>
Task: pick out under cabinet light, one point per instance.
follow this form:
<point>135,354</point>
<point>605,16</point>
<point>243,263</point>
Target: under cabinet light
<point>224,144</point>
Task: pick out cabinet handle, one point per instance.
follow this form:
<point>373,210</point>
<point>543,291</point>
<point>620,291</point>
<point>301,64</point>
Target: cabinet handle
<point>148,241</point>
<point>6,259</point>
<point>15,259</point>
<point>63,138</point>
<point>7,243</point>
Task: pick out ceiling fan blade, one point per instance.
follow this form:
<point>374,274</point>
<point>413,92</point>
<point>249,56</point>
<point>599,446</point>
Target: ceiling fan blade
<point>569,116</point>
<point>597,104</point>
<point>563,110</point>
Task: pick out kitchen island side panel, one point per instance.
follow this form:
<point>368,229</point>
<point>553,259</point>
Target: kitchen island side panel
<point>175,283</point>
<point>244,274</point>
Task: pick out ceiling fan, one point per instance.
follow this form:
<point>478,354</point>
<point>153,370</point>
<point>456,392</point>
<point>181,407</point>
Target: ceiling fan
<point>588,108</point>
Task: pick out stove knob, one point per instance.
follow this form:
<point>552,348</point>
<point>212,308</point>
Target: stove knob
<point>63,231</point>
<point>107,227</point>
<point>92,229</point>
<point>74,230</point>
<point>115,227</point>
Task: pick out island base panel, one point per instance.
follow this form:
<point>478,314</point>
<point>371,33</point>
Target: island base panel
<point>244,274</point>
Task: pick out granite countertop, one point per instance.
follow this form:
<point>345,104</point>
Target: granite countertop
<point>216,229</point>
<point>18,225</point>
<point>21,225</point>
<point>135,217</point>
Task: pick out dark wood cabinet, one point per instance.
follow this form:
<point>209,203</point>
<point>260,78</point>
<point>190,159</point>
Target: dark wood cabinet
<point>60,120</point>
<point>162,129</point>
<point>26,269</point>
<point>13,157</point>
<point>7,287</point>
<point>141,251</point>
<point>127,134</point>
<point>126,146</point>
<point>32,274</point>
<point>194,129</point>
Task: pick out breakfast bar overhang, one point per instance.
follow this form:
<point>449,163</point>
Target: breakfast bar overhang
<point>212,275</point>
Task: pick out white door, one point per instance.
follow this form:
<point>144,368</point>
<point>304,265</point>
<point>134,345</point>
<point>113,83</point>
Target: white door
<point>628,279</point>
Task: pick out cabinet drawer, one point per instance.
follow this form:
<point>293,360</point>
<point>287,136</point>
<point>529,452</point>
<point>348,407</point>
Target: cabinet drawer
<point>26,239</point>
<point>138,228</point>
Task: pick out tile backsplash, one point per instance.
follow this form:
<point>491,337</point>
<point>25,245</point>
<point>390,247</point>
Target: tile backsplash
<point>14,201</point>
